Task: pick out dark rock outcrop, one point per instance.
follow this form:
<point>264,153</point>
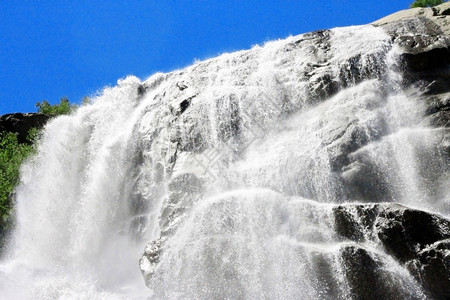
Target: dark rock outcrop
<point>21,124</point>
<point>432,269</point>
<point>405,232</point>
<point>418,240</point>
<point>366,276</point>
<point>421,241</point>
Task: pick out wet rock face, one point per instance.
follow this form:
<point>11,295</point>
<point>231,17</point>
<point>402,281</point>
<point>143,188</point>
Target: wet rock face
<point>184,190</point>
<point>150,259</point>
<point>405,232</point>
<point>357,153</point>
<point>432,269</point>
<point>424,64</point>
<point>421,241</point>
<point>426,57</point>
<point>418,240</point>
<point>366,276</point>
<point>21,123</point>
<point>354,223</point>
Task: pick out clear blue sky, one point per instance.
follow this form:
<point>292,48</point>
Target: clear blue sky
<point>55,48</point>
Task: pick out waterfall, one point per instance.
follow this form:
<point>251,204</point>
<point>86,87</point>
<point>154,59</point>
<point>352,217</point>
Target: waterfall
<point>233,168</point>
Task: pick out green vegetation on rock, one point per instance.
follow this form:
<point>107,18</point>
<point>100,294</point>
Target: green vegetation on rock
<point>426,3</point>
<point>12,154</point>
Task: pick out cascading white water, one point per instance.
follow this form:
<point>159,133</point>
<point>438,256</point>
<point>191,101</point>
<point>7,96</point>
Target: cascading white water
<point>72,236</point>
<point>232,165</point>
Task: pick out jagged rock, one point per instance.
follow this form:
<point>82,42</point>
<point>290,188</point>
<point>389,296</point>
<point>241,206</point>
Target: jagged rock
<point>367,278</point>
<point>417,239</point>
<point>21,123</point>
<point>184,189</point>
<point>404,232</point>
<point>354,222</point>
<point>432,269</point>
<point>150,259</point>
<point>438,111</point>
<point>346,226</point>
<point>421,240</point>
<point>427,37</point>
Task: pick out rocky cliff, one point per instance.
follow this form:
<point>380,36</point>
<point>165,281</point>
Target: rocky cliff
<point>417,240</point>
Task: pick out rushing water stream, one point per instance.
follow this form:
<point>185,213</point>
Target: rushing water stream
<point>232,166</point>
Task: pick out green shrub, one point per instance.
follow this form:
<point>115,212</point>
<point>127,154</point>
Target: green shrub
<point>63,108</point>
<point>426,3</point>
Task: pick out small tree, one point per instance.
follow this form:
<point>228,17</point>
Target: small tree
<point>63,108</point>
<point>426,3</point>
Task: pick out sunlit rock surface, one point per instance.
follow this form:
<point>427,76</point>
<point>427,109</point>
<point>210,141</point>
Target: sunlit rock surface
<point>362,119</point>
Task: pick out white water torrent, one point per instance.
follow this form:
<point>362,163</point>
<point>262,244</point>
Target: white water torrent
<point>232,166</point>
